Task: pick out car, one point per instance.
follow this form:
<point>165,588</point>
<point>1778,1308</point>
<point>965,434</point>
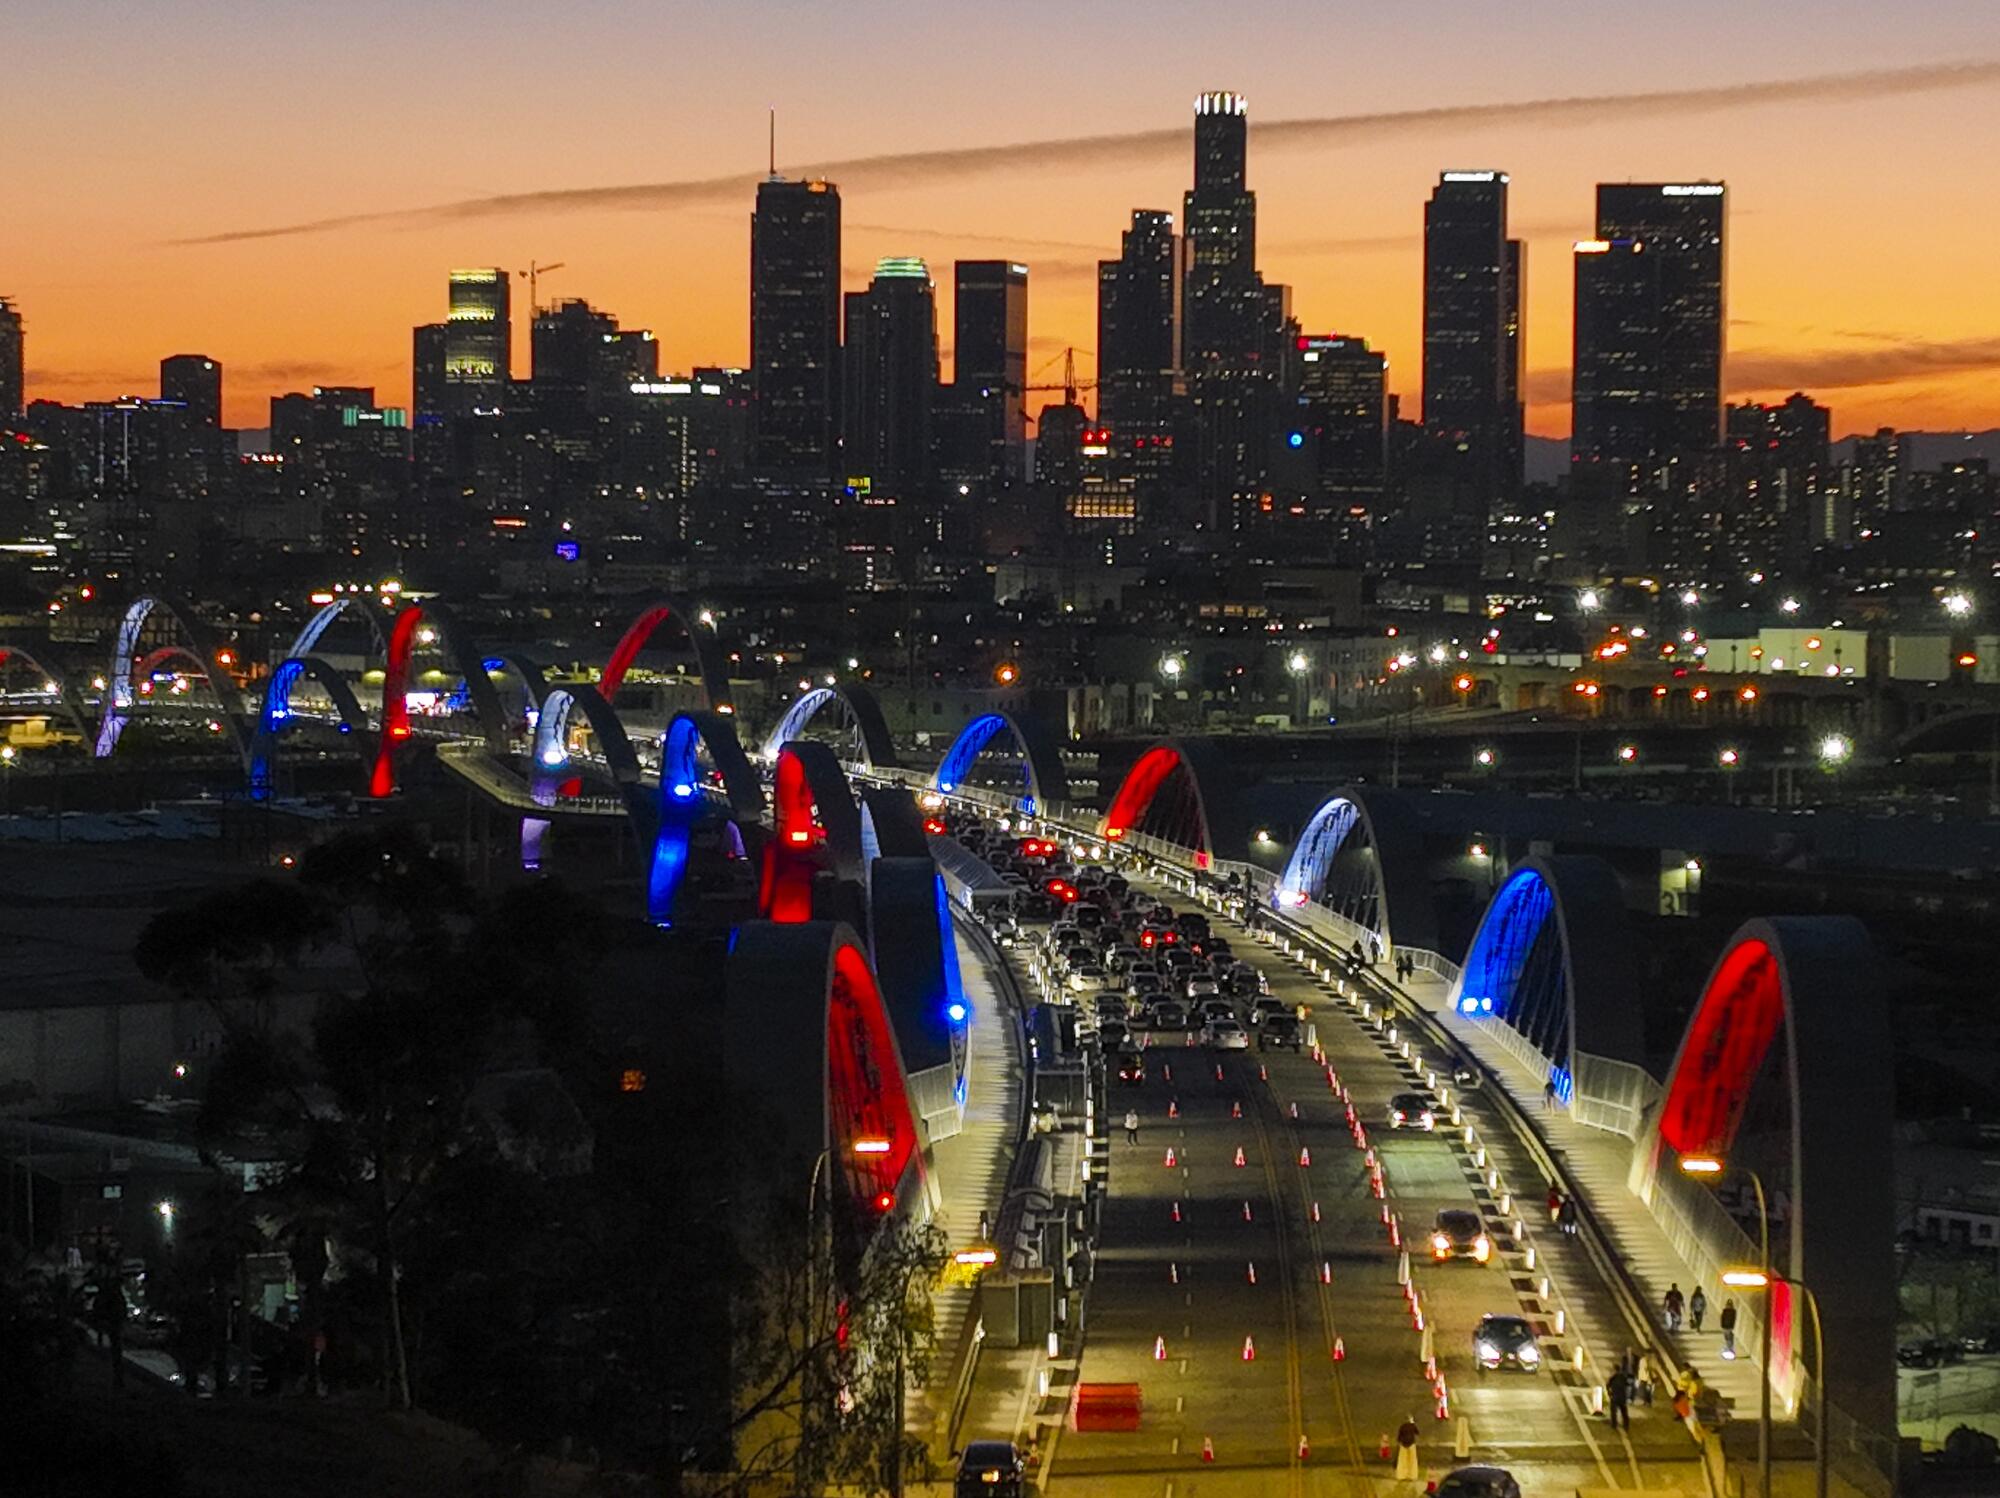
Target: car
<point>1932,1352</point>
<point>1209,1009</point>
<point>1281,1030</point>
<point>1201,986</point>
<point>1131,1067</point>
<point>1242,982</point>
<point>1169,1015</point>
<point>1113,1034</point>
<point>1179,961</point>
<point>1505,1342</point>
<point>1411,1110</point>
<point>1035,907</point>
<point>991,1469</point>
<point>1267,1009</point>
<point>1086,976</point>
<point>1089,917</point>
<point>1478,1482</point>
<point>1467,1078</point>
<point>1460,1233</point>
<point>1225,1035</point>
<point>1122,956</point>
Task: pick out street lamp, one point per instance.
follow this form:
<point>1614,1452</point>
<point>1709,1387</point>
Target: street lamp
<point>1835,749</point>
<point>1690,598</point>
<point>1171,667</point>
<point>1628,753</point>
<point>1709,1169</point>
<point>1486,759</point>
<point>1589,601</point>
<point>1763,1279</point>
<point>1299,664</point>
<point>1957,605</point>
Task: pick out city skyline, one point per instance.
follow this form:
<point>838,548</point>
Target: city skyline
<point>1886,326</point>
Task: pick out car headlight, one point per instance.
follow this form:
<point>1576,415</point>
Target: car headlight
<point>1486,1351</point>
<point>1428,1120</point>
<point>1441,1243</point>
<point>1481,1248</point>
<point>1399,1115</point>
<point>1530,1354</point>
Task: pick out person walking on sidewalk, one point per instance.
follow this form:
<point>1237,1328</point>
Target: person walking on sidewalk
<point>1131,1126</point>
<point>1672,1304</point>
<point>1728,1325</point>
<point>1697,1308</point>
<point>1549,1096</point>
<point>1555,1201</point>
<point>1566,1218</point>
<point>1407,1468</point>
<point>1619,1390</point>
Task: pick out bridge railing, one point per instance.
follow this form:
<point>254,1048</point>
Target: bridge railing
<point>1613,1095</point>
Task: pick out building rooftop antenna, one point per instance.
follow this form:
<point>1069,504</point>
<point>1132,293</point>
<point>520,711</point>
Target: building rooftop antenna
<point>774,143</point>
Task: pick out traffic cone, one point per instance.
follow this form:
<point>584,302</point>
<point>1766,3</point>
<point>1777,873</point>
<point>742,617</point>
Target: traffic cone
<point>1385,1446</point>
<point>1239,1157</point>
<point>1315,1211</point>
<point>1385,1214</point>
<point>1207,1449</point>
<point>1253,1271</point>
<point>1218,1065</point>
<point>1173,1274</point>
<point>1173,1107</point>
<point>1246,1212</point>
<point>1340,1356</point>
<point>1431,1369</point>
<point>1177,1211</point>
<point>1395,1231</point>
<point>1249,1350</point>
<point>1378,1186</point>
<point>1236,1110</point>
<point>1305,1451</point>
<point>1170,1162</point>
<point>1295,1110</point>
<point>1167,1071</point>
<point>1326,1271</point>
<point>1369,1159</point>
<point>1262,1074</point>
<point>1159,1349</point>
<point>1305,1155</point>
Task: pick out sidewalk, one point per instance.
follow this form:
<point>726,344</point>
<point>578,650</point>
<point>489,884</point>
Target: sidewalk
<point>1599,1162</point>
<point>971,1173</point>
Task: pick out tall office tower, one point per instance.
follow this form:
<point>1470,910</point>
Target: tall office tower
<point>795,325</point>
<point>1514,372</point>
<point>1880,476</point>
<point>1615,395</point>
<point>195,380</point>
<point>1779,472</point>
<point>1473,335</point>
<point>1227,337</point>
<point>1138,348</point>
<point>891,376</point>
<point>12,340</point>
<point>1681,226</point>
<point>429,393</point>
<point>1343,403</point>
<point>990,354</point>
<point>478,341</point>
<point>565,341</point>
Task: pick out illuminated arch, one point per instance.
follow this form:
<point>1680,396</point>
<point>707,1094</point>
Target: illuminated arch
<point>871,729</point>
<point>551,745</point>
<point>69,703</point>
<point>119,696</point>
<point>1816,979</point>
<point>915,951</point>
<point>1404,914</point>
<point>892,825</point>
<point>395,688</point>
<point>808,1035</point>
<point>307,641</point>
<point>1207,821</point>
<point>1554,960</point>
<point>714,680</point>
<point>276,712</point>
<point>685,800</point>
<point>1044,781</point>
<point>816,827</point>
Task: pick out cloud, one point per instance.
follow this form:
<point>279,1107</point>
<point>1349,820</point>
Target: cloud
<point>1820,370</point>
<point>1109,152</point>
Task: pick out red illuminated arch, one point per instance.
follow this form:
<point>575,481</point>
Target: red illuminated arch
<point>1217,831</point>
<point>816,826</point>
<point>715,684</point>
<point>471,665</point>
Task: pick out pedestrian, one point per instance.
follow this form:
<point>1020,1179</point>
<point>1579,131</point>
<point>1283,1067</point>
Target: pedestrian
<point>1728,1325</point>
<point>1407,1469</point>
<point>1672,1304</point>
<point>1697,1308</point>
<point>1131,1126</point>
<point>1566,1218</point>
<point>1555,1201</point>
<point>1619,1390</point>
<point>1549,1095</point>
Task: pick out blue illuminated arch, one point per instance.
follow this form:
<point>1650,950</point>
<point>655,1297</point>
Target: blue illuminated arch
<point>309,636</point>
<point>878,750</point>
<point>119,697</point>
<point>1404,913</point>
<point>275,714</point>
<point>551,744</point>
<point>685,800</point>
<point>1044,781</point>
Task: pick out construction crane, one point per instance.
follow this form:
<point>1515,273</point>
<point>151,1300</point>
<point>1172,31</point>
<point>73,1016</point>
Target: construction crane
<point>534,273</point>
<point>1070,383</point>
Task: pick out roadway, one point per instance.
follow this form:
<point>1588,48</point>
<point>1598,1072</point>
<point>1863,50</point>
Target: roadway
<point>1325,1269</point>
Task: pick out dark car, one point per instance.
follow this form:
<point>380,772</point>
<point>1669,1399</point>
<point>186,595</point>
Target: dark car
<point>1933,1352</point>
<point>1460,1233</point>
<point>1113,1033</point>
<point>1281,1030</point>
<point>1169,1015</point>
<point>1505,1342</point>
<point>1132,1067</point>
<point>1479,1482</point>
<point>991,1467</point>
<point>1411,1110</point>
<point>1241,982</point>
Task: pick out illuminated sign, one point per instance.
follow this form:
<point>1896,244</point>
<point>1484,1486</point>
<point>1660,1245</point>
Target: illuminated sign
<point>1222,103</point>
<point>1593,247</point>
<point>1473,177</point>
<point>568,551</point>
<point>1693,190</point>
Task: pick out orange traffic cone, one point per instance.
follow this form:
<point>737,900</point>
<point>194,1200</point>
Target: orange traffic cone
<point>1159,1349</point>
<point>1253,1271</point>
<point>1262,1075</point>
<point>1246,1211</point>
<point>1340,1356</point>
<point>1385,1446</point>
<point>1239,1156</point>
<point>1236,1110</point>
<point>1207,1449</point>
<point>1170,1162</point>
<point>1249,1350</point>
<point>1173,1107</point>
<point>1218,1065</point>
<point>1305,1451</point>
<point>1295,1110</point>
<point>1177,1211</point>
<point>1305,1155</point>
<point>1326,1271</point>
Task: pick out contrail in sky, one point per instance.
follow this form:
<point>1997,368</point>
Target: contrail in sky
<point>1103,152</point>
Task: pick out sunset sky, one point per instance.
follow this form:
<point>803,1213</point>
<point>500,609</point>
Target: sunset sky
<point>1862,260</point>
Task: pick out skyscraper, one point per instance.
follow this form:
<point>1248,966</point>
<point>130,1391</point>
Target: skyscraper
<point>891,376</point>
<point>195,380</point>
<point>1228,336</point>
<point>478,341</point>
<point>1473,337</point>
<point>795,325</point>
<point>12,382</point>
<point>1616,399</point>
<point>1138,347</point>
<point>1681,226</point>
<point>990,355</point>
<point>429,394</point>
<point>1343,402</point>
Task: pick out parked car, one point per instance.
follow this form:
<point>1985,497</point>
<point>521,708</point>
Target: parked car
<point>991,1469</point>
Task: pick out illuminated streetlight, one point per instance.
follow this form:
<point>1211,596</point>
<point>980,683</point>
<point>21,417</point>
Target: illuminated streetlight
<point>1588,601</point>
<point>1957,605</point>
<point>1486,758</point>
<point>1729,759</point>
<point>1299,664</point>
<point>1438,654</point>
<point>1790,606</point>
<point>1627,753</point>
<point>1171,667</point>
<point>1835,749</point>
<point>1690,598</point>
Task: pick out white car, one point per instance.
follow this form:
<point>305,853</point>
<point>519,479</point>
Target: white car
<point>1201,986</point>
<point>1225,1035</point>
